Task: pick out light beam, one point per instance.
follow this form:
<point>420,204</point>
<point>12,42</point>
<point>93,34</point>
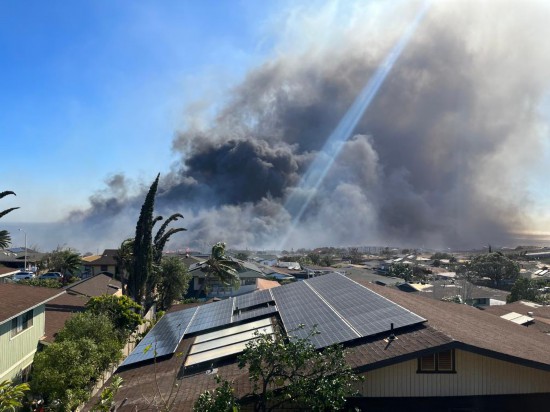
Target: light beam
<point>301,196</point>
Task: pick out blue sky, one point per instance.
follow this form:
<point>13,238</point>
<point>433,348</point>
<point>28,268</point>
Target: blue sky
<point>94,88</point>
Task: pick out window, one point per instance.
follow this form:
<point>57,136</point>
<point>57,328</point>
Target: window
<point>440,362</point>
<point>21,323</point>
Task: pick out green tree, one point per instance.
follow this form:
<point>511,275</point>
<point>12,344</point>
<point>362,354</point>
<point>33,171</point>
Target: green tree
<point>495,266</point>
<point>99,329</point>
<point>327,260</point>
<point>125,261</point>
<point>143,246</point>
<point>293,372</point>
<point>401,270</point>
<point>106,401</point>
<point>63,371</point>
<point>221,268</point>
<point>5,238</point>
<point>11,395</point>
<point>123,312</point>
<point>523,289</point>
<point>66,261</point>
<point>174,281</point>
<point>242,256</point>
<point>146,255</point>
<point>221,399</point>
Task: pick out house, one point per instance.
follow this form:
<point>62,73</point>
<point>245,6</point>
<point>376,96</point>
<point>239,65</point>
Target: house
<point>529,314</point>
<point>16,257</point>
<point>22,325</point>
<point>248,274</point>
<point>73,300</point>
<point>415,353</point>
<point>106,263</point>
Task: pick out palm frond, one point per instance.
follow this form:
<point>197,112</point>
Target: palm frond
<point>5,212</point>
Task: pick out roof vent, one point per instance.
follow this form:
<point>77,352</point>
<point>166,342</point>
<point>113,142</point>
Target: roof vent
<point>392,336</point>
<point>530,314</point>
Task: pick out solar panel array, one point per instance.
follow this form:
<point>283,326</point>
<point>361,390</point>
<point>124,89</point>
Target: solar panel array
<point>163,339</point>
<point>299,305</point>
<point>339,308</point>
<point>211,316</point>
<point>366,311</point>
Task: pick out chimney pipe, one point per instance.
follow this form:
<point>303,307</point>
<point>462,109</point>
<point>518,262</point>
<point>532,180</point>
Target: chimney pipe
<point>392,336</point>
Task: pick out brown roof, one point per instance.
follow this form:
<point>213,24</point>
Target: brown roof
<point>61,309</point>
<point>541,314</point>
<point>448,325</point>
<point>96,286</point>
<point>107,258</point>
<point>16,299</point>
<point>475,329</point>
<point>262,284</point>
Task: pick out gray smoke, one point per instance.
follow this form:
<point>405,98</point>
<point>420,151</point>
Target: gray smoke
<point>440,158</point>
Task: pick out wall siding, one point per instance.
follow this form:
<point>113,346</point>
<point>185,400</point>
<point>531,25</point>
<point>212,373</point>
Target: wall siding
<point>18,352</point>
<point>475,375</point>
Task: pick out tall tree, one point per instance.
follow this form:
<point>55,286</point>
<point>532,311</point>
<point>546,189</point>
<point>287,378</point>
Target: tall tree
<point>174,281</point>
<point>221,268</point>
<point>162,236</point>
<point>5,238</point>
<point>143,248</point>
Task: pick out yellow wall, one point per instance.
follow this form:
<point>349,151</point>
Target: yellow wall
<point>475,375</point>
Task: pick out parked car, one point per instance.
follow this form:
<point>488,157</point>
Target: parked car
<point>22,275</point>
<point>51,275</point>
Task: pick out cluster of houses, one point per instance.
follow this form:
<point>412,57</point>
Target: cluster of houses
<point>459,358</point>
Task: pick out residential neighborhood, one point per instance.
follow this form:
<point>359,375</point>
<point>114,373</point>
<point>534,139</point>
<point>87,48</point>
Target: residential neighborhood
<point>275,206</point>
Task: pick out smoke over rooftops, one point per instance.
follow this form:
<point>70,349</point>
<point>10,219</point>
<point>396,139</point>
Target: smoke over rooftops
<point>438,159</point>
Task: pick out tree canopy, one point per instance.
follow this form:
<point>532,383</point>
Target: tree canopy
<point>221,267</point>
<point>495,266</point>
<point>122,311</point>
<point>293,372</point>
<point>174,281</point>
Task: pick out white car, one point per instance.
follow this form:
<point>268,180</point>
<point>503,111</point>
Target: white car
<point>23,276</point>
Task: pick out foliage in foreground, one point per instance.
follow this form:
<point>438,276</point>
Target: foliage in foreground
<point>123,312</point>
<point>84,348</point>
<point>11,395</point>
<point>45,283</point>
<point>293,372</point>
<point>106,399</point>
<point>221,399</point>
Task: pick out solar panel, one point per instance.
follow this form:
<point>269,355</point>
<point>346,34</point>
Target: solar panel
<point>212,315</point>
<point>163,339</point>
<point>366,311</point>
<point>261,311</point>
<point>299,304</point>
<point>253,299</point>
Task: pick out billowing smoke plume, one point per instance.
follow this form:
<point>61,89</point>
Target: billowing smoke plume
<point>439,159</point>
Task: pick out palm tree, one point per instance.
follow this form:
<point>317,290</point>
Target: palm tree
<point>221,267</point>
<point>5,238</point>
<point>125,259</point>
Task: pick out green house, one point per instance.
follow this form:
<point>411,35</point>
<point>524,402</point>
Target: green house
<point>22,325</point>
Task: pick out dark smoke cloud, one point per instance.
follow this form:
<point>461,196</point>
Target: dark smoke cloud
<point>439,159</point>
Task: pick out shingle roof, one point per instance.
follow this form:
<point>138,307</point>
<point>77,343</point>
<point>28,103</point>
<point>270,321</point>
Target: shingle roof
<point>61,309</point>
<point>476,329</point>
<point>16,299</point>
<point>448,325</point>
<point>96,286</point>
